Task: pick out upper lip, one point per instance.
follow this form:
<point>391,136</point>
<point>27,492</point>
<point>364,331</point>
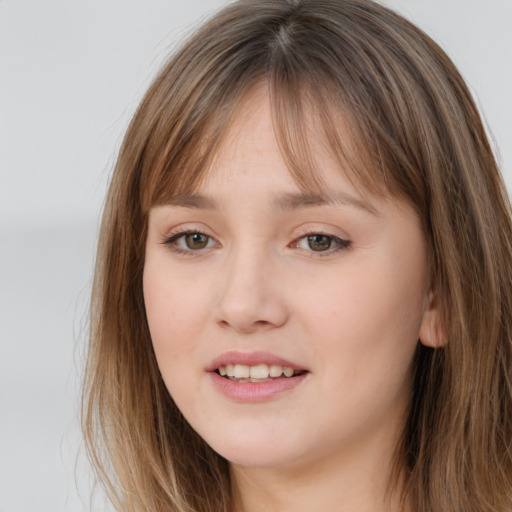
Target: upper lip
<point>250,359</point>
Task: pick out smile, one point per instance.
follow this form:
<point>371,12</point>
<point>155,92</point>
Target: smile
<point>257,373</point>
<point>255,376</point>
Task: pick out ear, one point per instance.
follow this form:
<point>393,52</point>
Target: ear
<point>432,331</point>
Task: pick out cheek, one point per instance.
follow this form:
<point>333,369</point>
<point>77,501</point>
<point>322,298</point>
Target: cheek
<point>365,301</point>
<point>367,321</point>
<point>174,312</point>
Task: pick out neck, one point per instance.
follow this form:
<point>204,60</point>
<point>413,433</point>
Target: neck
<point>356,480</point>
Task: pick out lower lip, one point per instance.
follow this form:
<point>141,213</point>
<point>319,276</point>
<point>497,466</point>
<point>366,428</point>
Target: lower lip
<point>255,391</point>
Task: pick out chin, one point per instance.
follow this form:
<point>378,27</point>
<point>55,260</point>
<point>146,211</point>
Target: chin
<point>255,457</point>
<point>251,449</point>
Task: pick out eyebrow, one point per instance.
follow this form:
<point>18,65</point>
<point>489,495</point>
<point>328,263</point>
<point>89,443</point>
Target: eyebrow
<point>284,202</point>
<point>287,202</point>
<point>195,201</point>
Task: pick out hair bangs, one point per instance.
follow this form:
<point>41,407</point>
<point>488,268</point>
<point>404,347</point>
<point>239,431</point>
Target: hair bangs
<point>312,117</point>
<point>306,125</point>
<point>183,161</point>
<point>335,99</point>
<point>322,100</point>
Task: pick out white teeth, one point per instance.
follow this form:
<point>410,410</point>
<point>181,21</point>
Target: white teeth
<point>275,370</point>
<point>260,371</point>
<point>287,371</point>
<point>242,371</point>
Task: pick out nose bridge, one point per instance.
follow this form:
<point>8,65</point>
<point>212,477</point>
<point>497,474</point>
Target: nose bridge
<point>250,297</point>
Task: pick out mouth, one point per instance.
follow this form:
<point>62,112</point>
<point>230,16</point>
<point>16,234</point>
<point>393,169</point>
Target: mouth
<point>257,373</point>
<point>256,376</point>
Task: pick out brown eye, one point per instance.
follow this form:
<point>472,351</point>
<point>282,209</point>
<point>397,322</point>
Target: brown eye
<point>191,241</point>
<point>319,242</point>
<point>196,241</point>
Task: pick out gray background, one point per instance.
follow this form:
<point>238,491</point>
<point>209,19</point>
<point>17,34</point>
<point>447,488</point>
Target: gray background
<point>71,74</point>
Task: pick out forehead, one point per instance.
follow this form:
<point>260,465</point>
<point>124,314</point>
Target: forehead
<point>309,139</point>
<point>251,162</point>
<point>251,151</point>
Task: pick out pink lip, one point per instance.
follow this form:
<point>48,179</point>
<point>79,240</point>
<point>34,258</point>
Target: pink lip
<point>251,392</point>
<point>250,359</point>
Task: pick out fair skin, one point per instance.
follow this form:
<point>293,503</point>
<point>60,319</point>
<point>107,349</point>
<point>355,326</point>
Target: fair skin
<point>248,268</point>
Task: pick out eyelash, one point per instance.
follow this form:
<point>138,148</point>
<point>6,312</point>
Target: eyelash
<point>340,244</point>
<point>172,240</point>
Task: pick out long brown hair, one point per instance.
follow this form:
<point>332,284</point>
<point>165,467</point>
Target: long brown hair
<point>370,79</point>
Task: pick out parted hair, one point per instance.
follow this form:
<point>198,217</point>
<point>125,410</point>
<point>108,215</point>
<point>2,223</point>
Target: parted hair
<point>396,114</point>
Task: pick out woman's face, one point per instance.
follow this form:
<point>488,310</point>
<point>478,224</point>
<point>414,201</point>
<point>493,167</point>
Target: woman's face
<point>252,277</point>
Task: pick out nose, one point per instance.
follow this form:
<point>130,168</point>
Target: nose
<point>252,297</point>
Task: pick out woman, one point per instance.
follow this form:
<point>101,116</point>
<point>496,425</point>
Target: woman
<point>303,289</point>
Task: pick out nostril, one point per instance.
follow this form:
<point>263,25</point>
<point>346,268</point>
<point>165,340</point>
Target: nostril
<point>249,308</point>
<point>246,327</point>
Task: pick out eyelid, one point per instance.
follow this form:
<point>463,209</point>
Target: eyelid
<point>186,228</point>
<point>170,239</point>
<point>341,243</point>
<point>175,234</point>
